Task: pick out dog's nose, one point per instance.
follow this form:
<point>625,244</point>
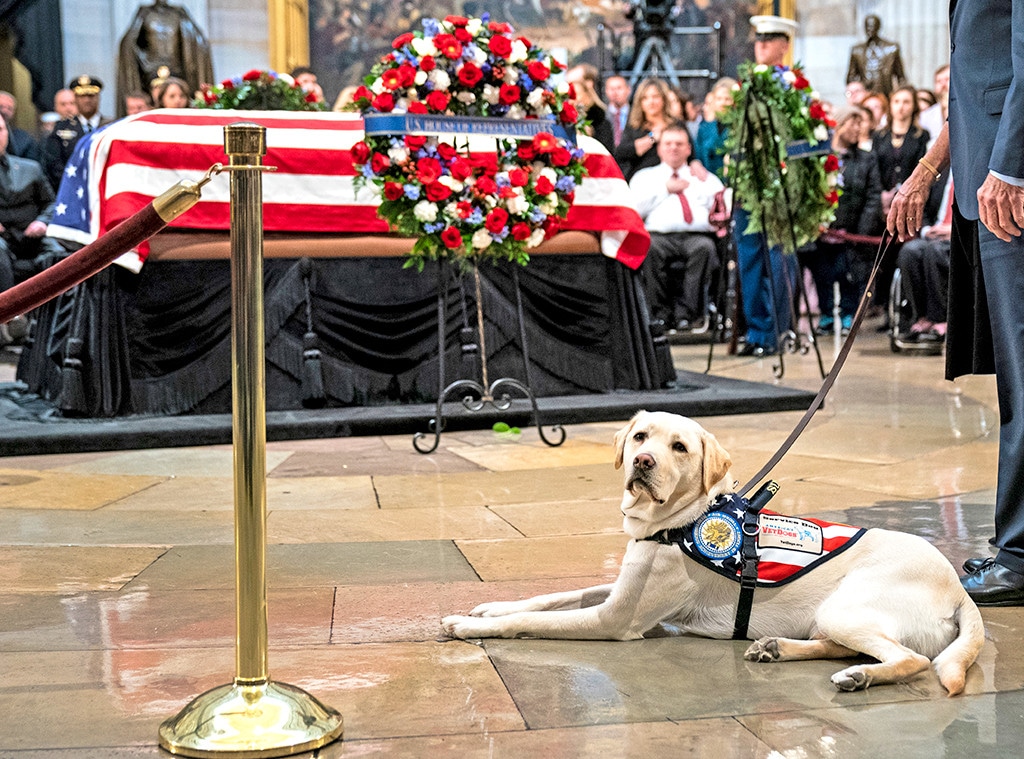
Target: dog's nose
<point>643,461</point>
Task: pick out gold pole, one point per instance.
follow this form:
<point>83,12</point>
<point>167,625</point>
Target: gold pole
<point>252,716</point>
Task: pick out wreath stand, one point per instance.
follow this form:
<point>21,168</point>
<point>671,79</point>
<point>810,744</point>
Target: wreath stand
<point>791,340</point>
<point>477,395</point>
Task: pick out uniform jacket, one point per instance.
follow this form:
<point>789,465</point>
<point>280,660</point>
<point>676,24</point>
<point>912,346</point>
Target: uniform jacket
<point>59,146</point>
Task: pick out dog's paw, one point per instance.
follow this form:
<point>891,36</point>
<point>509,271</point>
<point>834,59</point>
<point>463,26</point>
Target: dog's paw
<point>763,650</point>
<point>850,679</point>
<point>464,627</point>
<point>495,609</point>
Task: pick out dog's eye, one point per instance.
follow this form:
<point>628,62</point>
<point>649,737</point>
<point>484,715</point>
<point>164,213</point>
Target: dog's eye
<point>677,446</point>
<point>640,437</point>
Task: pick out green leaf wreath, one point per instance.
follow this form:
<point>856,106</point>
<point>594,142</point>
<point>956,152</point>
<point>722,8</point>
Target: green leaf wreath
<point>790,199</point>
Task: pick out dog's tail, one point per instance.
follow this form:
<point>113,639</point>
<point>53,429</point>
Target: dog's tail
<point>952,662</point>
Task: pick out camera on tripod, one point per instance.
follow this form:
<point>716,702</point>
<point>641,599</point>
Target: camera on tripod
<point>651,18</point>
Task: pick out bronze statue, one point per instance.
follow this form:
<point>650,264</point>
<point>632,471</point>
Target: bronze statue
<point>876,62</point>
<point>162,38</point>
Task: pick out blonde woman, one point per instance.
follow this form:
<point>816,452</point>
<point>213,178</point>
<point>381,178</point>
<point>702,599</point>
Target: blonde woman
<point>648,116</point>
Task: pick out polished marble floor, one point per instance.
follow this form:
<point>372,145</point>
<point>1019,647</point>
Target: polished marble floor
<point>117,602</point>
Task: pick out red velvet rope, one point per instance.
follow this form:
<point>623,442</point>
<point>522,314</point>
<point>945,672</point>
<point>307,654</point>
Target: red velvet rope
<point>80,265</point>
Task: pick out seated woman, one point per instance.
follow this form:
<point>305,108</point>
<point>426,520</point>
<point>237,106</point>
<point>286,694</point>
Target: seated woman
<point>173,93</point>
<point>647,118</point>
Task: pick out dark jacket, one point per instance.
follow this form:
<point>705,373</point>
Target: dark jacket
<point>625,154</point>
<point>603,132</point>
<point>895,164</point>
<point>860,204</point>
<point>25,195</point>
<point>60,145</point>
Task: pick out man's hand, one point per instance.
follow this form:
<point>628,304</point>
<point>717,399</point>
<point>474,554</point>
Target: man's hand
<point>699,171</point>
<point>1001,208</point>
<point>35,229</point>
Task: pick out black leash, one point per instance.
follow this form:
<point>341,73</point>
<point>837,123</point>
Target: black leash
<point>748,554</point>
<point>830,378</point>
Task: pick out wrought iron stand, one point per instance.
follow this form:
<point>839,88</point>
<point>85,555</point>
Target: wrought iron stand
<point>478,395</point>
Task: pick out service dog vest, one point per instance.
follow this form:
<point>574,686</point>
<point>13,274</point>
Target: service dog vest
<point>787,547</point>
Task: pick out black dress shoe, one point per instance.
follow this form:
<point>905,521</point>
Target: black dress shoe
<point>978,562</point>
<point>995,585</point>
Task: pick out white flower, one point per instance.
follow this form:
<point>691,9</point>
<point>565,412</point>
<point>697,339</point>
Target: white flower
<point>378,86</point>
<point>466,97</point>
<point>474,26</point>
<point>821,133</point>
<point>287,79</point>
<point>519,52</point>
<point>481,239</point>
<point>760,68</point>
<point>788,77</point>
<point>420,78</point>
<point>535,239</point>
<point>425,211</point>
<point>511,75</point>
<point>549,173</point>
<point>536,97</point>
<point>517,205</point>
<point>451,210</point>
<point>398,155</point>
<point>814,95</point>
<point>832,178</point>
<point>440,79</point>
<point>479,55</point>
<point>451,182</point>
<point>549,204</point>
<point>424,46</point>
<point>491,94</point>
<point>562,88</point>
<point>516,112</point>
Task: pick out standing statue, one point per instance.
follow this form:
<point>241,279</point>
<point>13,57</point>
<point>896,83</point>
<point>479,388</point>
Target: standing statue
<point>876,62</point>
<point>162,41</point>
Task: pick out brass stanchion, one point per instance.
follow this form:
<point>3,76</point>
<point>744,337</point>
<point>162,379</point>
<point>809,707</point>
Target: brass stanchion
<point>252,716</point>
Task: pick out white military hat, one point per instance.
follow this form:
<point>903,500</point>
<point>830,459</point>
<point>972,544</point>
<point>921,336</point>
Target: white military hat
<point>771,26</point>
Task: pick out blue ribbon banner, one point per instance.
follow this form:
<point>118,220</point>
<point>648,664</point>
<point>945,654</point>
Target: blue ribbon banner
<point>417,123</point>
<point>804,149</point>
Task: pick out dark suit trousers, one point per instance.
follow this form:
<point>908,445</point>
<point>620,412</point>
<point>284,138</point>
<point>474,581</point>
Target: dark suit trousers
<point>1004,281</point>
<point>676,273</point>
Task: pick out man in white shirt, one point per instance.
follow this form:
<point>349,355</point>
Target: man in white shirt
<point>934,117</point>
<point>675,207</point>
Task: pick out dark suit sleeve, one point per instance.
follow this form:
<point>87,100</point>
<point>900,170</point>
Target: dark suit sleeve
<point>871,217</point>
<point>1007,156</point>
<point>45,198</point>
<point>53,163</point>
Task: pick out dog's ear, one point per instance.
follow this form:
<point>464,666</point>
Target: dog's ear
<point>716,461</point>
<point>620,440</point>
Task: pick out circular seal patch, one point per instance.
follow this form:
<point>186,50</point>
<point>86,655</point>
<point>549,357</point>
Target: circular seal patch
<point>717,535</point>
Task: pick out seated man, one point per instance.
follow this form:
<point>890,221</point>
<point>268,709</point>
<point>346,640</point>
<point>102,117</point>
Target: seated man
<point>924,264</point>
<point>26,207</point>
<point>675,205</point>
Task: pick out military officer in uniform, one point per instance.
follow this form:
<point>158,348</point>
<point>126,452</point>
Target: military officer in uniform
<point>60,144</point>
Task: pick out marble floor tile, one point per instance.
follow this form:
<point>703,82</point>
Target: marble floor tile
<point>71,569</point>
<point>210,461</point>
<point>64,491</point>
<point>347,457</point>
<point>568,518</point>
<point>516,454</point>
<point>110,527</point>
<point>572,556</point>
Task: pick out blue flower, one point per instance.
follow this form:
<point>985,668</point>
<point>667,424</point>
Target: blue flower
<point>431,27</point>
<point>476,217</point>
<point>565,184</point>
<point>412,191</point>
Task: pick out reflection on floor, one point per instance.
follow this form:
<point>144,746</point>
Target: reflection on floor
<point>117,603</point>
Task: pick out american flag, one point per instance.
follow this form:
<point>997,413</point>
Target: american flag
<point>118,170</point>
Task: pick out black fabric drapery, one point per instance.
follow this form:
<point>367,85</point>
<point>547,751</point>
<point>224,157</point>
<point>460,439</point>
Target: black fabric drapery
<point>159,343</point>
<point>39,44</point>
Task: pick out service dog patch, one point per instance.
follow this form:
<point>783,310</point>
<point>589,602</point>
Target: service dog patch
<point>787,547</point>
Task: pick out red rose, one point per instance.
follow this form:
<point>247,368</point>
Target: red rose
<point>384,102</point>
<point>506,193</point>
<point>379,162</point>
<point>391,79</point>
<point>402,40</point>
<point>461,170</point>
<point>227,84</point>
<point>417,107</point>
<point>437,191</point>
<point>438,100</point>
<point>551,227</point>
<point>362,93</point>
<point>360,152</point>
<point>543,142</point>
<point>486,186</point>
<point>509,94</point>
<point>407,75</point>
<point>817,111</point>
<point>557,66</point>
<point>311,97</point>
<point>499,45</point>
<point>457,20</point>
<point>518,177</point>
<point>538,71</point>
<point>209,97</point>
<point>470,74</point>
<point>428,63</point>
<point>496,220</point>
<point>831,163</point>
<point>560,157</point>
<point>415,141</point>
<point>251,76</point>
<point>800,83</point>
<point>451,237</point>
<point>832,197</point>
<point>448,45</point>
<point>393,190</point>
<point>525,42</point>
<point>500,27</point>
<point>446,151</point>
<point>428,170</point>
<point>569,114</point>
<point>462,35</point>
<point>464,209</point>
<point>520,231</point>
<point>526,151</point>
<point>543,186</point>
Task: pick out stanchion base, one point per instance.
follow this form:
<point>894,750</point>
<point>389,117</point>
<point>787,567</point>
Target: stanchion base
<point>249,721</point>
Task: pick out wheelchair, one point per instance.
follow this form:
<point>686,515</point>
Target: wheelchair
<point>901,316</point>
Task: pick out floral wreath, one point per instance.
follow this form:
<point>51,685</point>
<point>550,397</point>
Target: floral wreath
<point>258,90</point>
<point>461,204</point>
<point>790,199</point>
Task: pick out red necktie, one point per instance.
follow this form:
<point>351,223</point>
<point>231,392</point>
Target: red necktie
<point>687,211</point>
<point>617,127</point>
<point>948,218</point>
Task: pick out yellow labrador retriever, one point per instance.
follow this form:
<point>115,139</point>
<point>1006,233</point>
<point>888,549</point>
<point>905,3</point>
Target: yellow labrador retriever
<point>891,595</point>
